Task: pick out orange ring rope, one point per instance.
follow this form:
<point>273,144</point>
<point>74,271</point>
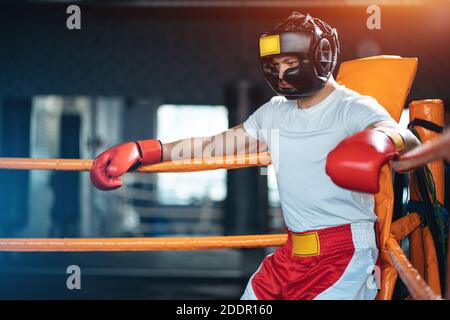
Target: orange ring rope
<point>139,244</point>
<point>415,284</point>
<point>417,287</point>
<point>186,165</point>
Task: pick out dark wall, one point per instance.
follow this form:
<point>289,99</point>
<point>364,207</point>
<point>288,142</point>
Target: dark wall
<point>15,117</point>
<point>190,55</point>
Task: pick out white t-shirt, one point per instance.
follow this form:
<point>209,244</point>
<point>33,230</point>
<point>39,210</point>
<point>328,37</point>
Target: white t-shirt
<point>299,141</point>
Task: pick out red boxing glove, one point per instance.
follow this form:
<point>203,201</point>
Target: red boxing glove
<point>356,162</point>
<point>114,162</point>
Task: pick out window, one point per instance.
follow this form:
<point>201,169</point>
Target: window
<point>177,122</point>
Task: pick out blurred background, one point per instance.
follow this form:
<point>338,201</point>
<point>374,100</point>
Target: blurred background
<point>166,70</point>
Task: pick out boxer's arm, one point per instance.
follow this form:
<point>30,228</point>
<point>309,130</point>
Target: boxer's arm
<point>409,139</point>
<point>233,141</point>
<point>115,161</point>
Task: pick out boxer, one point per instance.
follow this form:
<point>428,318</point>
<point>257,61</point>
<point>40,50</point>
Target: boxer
<point>326,133</point>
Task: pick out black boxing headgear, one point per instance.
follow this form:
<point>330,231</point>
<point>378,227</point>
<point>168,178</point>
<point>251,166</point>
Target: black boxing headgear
<point>310,39</point>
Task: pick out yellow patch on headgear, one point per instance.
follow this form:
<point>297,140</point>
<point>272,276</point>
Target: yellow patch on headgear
<point>269,45</point>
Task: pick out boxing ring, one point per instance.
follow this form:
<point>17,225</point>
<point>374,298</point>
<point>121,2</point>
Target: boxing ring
<point>389,82</point>
<point>416,285</point>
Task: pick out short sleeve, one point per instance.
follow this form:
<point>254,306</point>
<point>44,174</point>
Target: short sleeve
<point>362,112</point>
<point>257,121</point>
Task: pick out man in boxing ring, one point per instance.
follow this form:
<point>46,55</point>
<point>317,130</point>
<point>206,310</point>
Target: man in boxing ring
<point>326,133</point>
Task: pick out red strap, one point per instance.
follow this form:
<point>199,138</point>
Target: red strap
<point>151,151</point>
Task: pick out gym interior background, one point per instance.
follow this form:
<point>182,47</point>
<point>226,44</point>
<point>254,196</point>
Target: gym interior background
<point>167,70</point>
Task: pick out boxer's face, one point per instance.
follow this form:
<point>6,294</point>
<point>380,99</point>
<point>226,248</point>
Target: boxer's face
<point>281,63</point>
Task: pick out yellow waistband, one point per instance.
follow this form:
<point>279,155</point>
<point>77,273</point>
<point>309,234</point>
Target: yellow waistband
<point>306,244</point>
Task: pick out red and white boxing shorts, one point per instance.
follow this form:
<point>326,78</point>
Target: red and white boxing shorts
<point>330,264</point>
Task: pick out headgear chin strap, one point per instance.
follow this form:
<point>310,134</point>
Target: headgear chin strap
<point>315,44</point>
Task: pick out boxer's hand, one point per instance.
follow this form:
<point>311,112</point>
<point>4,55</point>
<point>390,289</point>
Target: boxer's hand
<point>114,162</point>
<point>355,163</point>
